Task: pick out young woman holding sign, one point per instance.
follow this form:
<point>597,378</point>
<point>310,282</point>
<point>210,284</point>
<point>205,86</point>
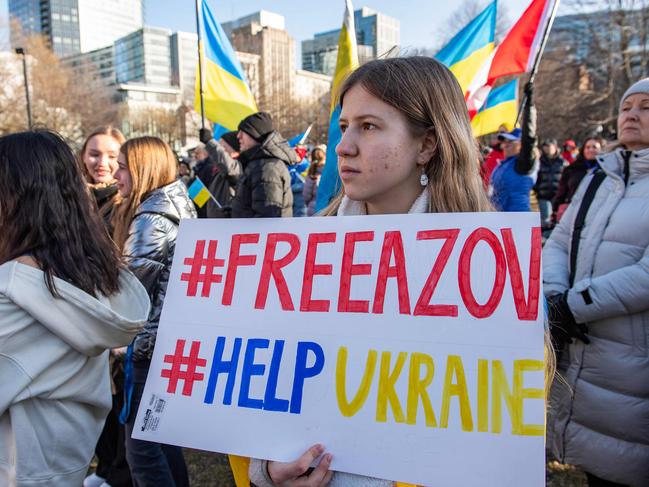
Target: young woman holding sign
<point>146,225</point>
<point>407,147</point>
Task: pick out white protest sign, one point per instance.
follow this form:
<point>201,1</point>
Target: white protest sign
<point>411,346</point>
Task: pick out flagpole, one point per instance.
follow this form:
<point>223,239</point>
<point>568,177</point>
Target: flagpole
<point>200,66</point>
<point>539,53</point>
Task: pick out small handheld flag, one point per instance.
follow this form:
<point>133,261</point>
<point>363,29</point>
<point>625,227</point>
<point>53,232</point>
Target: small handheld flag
<point>299,139</point>
<point>199,193</point>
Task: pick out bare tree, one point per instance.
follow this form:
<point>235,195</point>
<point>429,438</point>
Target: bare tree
<point>595,53</point>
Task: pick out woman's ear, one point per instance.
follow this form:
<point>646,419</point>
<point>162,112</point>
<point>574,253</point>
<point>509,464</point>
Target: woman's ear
<point>427,148</point>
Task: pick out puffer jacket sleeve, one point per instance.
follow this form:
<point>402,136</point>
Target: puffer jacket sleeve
<point>268,191</point>
<point>618,293</point>
<point>526,161</point>
<point>229,167</point>
<point>556,252</point>
<point>146,250</point>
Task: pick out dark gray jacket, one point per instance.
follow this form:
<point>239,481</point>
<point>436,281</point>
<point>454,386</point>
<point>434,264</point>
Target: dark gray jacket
<point>224,182</point>
<point>149,250</point>
<point>264,188</point>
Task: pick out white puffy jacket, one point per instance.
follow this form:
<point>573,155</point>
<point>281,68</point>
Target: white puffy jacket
<point>601,421</point>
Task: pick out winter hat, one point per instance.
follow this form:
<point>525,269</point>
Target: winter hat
<point>641,86</point>
<point>258,125</point>
<point>321,147</point>
<point>231,139</point>
<point>514,135</point>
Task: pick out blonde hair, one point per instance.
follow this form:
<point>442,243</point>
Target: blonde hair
<point>151,164</point>
<point>431,100</point>
<point>105,130</point>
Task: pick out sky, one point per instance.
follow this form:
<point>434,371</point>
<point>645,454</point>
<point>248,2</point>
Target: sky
<point>421,20</point>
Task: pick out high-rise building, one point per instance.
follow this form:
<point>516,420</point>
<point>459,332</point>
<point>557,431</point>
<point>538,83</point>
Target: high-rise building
<point>73,26</point>
<point>184,59</point>
<point>376,35</point>
<point>263,34</point>
<point>144,56</point>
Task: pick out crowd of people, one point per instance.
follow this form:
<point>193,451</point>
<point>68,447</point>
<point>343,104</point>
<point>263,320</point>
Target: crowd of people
<point>87,243</point>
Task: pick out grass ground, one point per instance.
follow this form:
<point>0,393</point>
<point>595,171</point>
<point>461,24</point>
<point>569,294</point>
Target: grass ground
<point>212,470</point>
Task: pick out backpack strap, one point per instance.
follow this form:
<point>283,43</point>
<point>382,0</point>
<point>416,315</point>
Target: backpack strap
<point>589,196</point>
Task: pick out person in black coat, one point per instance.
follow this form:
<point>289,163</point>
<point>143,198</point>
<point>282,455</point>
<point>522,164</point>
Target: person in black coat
<point>547,181</point>
<point>264,188</point>
<point>573,174</point>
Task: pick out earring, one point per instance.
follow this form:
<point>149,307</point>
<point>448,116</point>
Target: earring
<point>423,180</point>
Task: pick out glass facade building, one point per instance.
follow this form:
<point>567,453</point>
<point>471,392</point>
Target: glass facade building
<point>144,57</point>
<point>376,35</point>
<point>74,26</point>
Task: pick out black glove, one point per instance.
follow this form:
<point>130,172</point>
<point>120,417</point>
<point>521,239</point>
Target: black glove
<point>204,135</point>
<point>563,326</point>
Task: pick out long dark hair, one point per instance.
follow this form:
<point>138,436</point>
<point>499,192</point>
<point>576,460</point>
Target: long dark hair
<point>46,212</point>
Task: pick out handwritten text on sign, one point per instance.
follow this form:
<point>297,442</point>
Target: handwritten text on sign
<point>410,345</point>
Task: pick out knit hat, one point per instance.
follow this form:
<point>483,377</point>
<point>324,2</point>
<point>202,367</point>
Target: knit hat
<point>258,125</point>
<point>641,86</point>
<point>231,139</point>
<point>514,135</point>
<point>321,147</point>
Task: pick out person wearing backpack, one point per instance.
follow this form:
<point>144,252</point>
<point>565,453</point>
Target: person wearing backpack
<point>596,280</point>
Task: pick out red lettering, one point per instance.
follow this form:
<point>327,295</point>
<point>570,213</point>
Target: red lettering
<point>526,309</point>
<point>464,273</point>
<point>235,261</point>
<point>350,269</point>
<point>392,245</point>
<point>423,306</point>
<point>272,267</point>
<point>312,269</point>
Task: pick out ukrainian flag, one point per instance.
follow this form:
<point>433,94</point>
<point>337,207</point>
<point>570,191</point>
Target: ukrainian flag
<point>465,54</point>
<point>346,62</point>
<point>199,193</point>
<point>501,108</point>
<point>227,97</point>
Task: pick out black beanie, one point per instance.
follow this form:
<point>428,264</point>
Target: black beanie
<point>258,125</point>
<point>231,139</point>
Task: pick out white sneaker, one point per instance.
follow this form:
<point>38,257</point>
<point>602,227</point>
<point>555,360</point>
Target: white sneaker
<point>94,480</point>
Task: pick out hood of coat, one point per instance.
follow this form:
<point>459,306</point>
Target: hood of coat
<point>170,201</point>
<point>274,147</point>
<point>613,163</point>
<point>89,325</point>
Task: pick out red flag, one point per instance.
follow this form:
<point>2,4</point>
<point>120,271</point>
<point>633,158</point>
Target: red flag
<point>515,54</point>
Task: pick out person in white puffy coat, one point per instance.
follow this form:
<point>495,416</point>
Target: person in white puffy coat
<point>599,413</point>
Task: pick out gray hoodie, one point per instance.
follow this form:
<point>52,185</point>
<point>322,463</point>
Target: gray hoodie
<point>54,379</point>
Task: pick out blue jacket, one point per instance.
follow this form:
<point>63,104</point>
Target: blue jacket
<point>514,178</point>
<point>511,190</point>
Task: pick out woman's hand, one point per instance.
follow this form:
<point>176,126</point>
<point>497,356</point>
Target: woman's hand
<point>119,352</point>
<point>294,474</point>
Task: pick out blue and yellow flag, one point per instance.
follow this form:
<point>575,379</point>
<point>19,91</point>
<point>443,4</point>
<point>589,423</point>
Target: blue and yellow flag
<point>199,193</point>
<point>227,97</point>
<point>465,54</point>
<point>346,62</point>
<point>500,108</point>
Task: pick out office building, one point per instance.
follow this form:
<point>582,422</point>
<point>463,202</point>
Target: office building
<point>376,35</point>
<point>74,26</point>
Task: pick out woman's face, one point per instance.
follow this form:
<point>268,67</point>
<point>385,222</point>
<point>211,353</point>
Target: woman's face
<point>633,122</point>
<point>123,176</point>
<point>378,157</point>
<point>592,149</point>
<point>100,158</point>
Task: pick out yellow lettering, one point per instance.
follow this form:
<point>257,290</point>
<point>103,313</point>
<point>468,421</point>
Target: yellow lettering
<point>454,368</point>
<point>349,409</point>
<point>417,388</point>
<point>521,393</point>
<point>386,391</point>
<point>483,395</point>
